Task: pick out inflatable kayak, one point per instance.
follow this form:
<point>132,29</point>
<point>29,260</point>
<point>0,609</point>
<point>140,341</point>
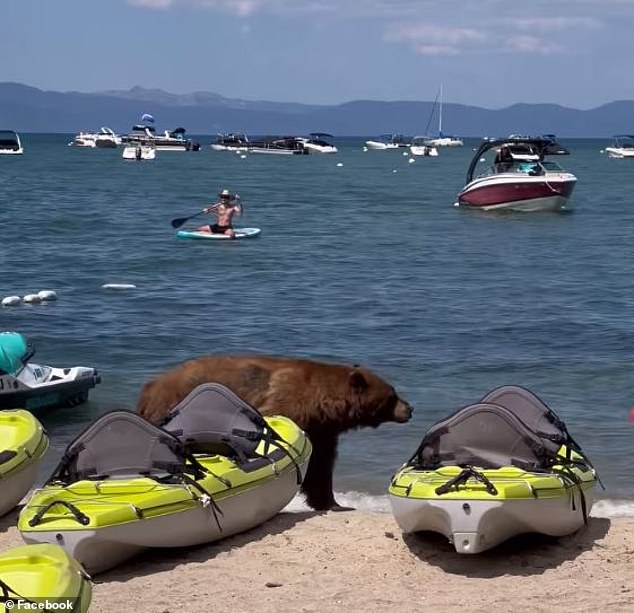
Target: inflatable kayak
<point>126,484</point>
<point>493,470</point>
<point>23,443</point>
<point>36,573</point>
<point>239,233</point>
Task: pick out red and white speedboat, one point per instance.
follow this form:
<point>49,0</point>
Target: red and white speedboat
<point>519,178</point>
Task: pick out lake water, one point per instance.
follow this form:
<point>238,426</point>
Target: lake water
<point>369,262</point>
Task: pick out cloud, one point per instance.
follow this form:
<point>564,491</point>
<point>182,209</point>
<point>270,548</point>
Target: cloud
<point>428,39</point>
<point>553,24</point>
<point>531,45</point>
<point>241,8</point>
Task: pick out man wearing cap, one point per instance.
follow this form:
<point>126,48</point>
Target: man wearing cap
<point>224,210</point>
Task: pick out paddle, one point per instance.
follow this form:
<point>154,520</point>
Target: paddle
<point>179,221</point>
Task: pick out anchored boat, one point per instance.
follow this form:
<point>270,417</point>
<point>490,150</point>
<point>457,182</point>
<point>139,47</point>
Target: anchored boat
<point>23,443</point>
<point>502,467</point>
<point>216,467</point>
<point>519,178</point>
<point>34,574</point>
<point>24,384</point>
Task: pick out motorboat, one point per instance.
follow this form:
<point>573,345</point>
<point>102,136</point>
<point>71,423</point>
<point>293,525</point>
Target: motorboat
<point>215,467</point>
<point>622,147</point>
<point>419,147</point>
<point>43,578</point>
<point>84,139</point>
<point>10,143</point>
<point>518,178</point>
<point>442,140</point>
<point>231,142</point>
<point>107,139</point>
<point>23,444</point>
<point>169,140</point>
<point>317,143</point>
<point>285,145</point>
<point>387,141</point>
<point>493,470</point>
<point>26,385</point>
<point>139,151</point>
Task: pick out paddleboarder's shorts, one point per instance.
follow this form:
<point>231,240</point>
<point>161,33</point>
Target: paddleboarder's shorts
<point>218,229</point>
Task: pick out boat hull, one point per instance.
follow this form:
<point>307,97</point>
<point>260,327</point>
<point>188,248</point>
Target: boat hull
<point>473,526</point>
<point>526,194</point>
<point>620,153</point>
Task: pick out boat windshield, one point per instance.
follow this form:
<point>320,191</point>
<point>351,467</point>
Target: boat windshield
<point>8,138</point>
<point>624,142</point>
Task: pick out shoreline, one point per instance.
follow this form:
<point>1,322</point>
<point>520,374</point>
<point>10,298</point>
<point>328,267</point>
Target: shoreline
<point>359,561</point>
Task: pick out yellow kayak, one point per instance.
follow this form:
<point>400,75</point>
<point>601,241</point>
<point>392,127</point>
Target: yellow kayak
<point>103,521</point>
<point>43,575</point>
<point>23,443</point>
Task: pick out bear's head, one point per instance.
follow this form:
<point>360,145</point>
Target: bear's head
<point>373,401</point>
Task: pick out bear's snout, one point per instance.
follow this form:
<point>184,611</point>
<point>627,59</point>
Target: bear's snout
<point>402,411</point>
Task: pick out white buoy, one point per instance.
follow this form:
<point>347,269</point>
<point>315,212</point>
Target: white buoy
<point>31,299</point>
<point>411,160</point>
<point>483,159</point>
<point>339,164</point>
<point>405,153</point>
<point>11,301</point>
<point>243,157</point>
<point>118,286</point>
<point>365,148</point>
<point>47,294</point>
<point>601,151</point>
<point>394,170</point>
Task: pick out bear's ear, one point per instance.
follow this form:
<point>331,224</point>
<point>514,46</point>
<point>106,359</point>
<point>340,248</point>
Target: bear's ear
<point>357,381</point>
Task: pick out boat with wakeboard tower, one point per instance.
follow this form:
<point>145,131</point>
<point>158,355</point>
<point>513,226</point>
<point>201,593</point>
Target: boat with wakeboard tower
<point>387,141</point>
<point>26,385</point>
<point>10,143</point>
<point>279,145</point>
<point>517,176</point>
<point>233,141</point>
<point>316,143</point>
<point>622,147</point>
<point>419,147</point>
<point>504,466</point>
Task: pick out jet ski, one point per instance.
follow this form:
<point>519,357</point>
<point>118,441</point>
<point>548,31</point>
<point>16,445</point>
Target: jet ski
<point>214,468</point>
<point>26,385</point>
<point>493,470</point>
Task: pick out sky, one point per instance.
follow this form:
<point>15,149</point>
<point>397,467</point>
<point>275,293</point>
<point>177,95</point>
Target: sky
<point>487,53</point>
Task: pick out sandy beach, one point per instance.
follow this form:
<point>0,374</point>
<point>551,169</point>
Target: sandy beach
<point>359,561</point>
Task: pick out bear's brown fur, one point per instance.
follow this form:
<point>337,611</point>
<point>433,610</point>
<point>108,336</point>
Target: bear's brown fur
<point>322,399</point>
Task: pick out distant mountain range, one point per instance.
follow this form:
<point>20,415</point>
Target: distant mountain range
<point>29,109</point>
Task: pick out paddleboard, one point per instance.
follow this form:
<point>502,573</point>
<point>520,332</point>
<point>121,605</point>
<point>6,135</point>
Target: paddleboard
<point>239,233</point>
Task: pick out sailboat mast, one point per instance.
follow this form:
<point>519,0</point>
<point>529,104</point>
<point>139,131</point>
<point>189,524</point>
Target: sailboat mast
<point>440,114</point>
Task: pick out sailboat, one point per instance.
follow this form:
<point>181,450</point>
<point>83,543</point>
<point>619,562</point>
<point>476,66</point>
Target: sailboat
<point>442,141</point>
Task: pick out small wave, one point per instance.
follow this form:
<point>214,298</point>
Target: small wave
<point>604,507</point>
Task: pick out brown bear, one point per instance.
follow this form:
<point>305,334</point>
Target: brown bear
<point>322,399</point>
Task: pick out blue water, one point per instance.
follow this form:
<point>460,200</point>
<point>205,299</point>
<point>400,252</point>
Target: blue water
<point>368,262</point>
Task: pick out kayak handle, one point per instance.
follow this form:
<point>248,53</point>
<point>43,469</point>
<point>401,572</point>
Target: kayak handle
<point>82,518</point>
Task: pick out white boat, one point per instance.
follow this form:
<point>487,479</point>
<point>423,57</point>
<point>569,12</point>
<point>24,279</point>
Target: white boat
<point>387,141</point>
<point>418,147</point>
<point>441,140</point>
<point>491,471</point>
<point>107,139</point>
<point>10,143</point>
<point>23,443</point>
<point>622,147</point>
<point>317,143</point>
<point>125,485</point>
<point>231,142</point>
<point>519,178</point>
<point>84,139</point>
<point>139,152</point>
<point>24,384</point>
